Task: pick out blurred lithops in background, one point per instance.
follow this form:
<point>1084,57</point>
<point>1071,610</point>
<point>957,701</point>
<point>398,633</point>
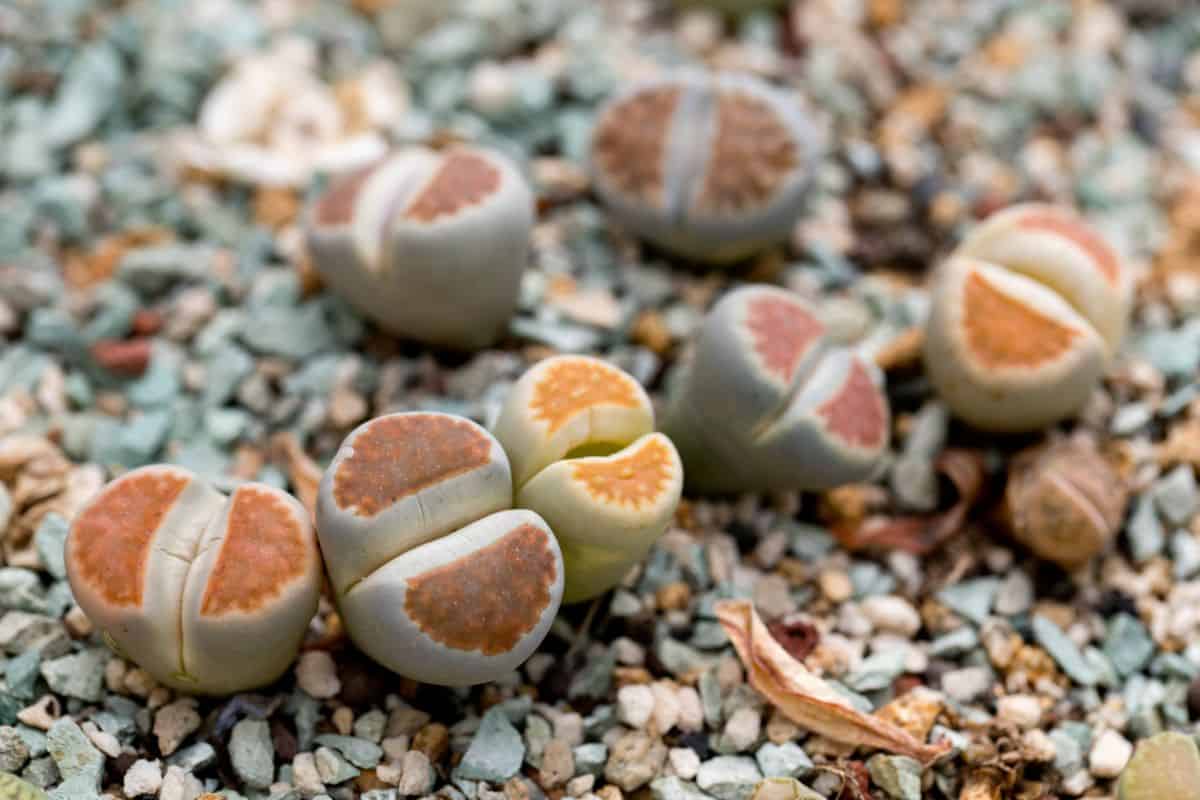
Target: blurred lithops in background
<point>709,166</point>
<point>1164,767</point>
<point>208,593</point>
<point>766,403</point>
<point>430,245</point>
<point>435,576</point>
<point>1064,500</point>
<point>1025,317</point>
<point>580,436</point>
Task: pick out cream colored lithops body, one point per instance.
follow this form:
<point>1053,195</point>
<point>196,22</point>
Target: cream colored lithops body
<point>710,166</point>
<point>767,403</point>
<point>429,244</point>
<point>436,576</point>
<point>208,593</point>
<point>1025,316</point>
<point>579,433</point>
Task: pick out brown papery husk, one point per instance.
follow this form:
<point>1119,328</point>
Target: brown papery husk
<point>804,698</point>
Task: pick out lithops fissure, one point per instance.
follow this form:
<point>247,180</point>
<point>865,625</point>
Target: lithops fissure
<point>713,167</point>
<point>580,435</point>
<point>766,402</point>
<point>159,563</point>
<point>1025,317</point>
<point>429,244</point>
<point>436,577</point>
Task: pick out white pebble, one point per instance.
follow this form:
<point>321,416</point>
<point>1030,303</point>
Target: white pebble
<point>742,730</point>
<point>179,785</point>
<point>305,776</point>
<point>892,613</point>
<point>691,711</point>
<point>142,778</point>
<point>1022,710</point>
<point>683,762</point>
<point>666,706</point>
<point>635,704</point>
<point>1109,755</point>
<point>966,684</point>
<point>317,674</point>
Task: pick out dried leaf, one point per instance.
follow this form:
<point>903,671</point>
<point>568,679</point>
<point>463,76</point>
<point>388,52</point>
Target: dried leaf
<point>301,470</point>
<point>803,697</point>
<point>798,638</point>
<point>922,533</point>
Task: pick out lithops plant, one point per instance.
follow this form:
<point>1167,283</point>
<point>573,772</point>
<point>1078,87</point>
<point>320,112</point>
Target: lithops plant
<point>435,575</point>
<point>1064,500</point>
<point>429,244</point>
<point>1164,767</point>
<point>209,593</point>
<point>580,436</point>
<point>767,402</point>
<point>1025,316</point>
<point>709,166</point>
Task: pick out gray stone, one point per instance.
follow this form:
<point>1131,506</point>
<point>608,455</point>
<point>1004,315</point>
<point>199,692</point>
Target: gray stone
<point>729,777</point>
<point>77,759</point>
<point>787,760</point>
<point>1145,531</point>
<point>496,751</point>
<point>193,757</point>
<point>13,751</point>
<point>333,768</point>
<point>972,599</point>
<point>153,269</point>
<point>21,674</point>
<point>1176,495</point>
<point>1015,595</point>
<point>955,643</point>
<point>590,758</point>
<point>1128,644</point>
<point>50,539</point>
<point>898,776</point>
<point>673,788</point>
<point>359,752</point>
<point>1063,651</point>
<point>80,675</point>
<point>877,671</point>
<point>295,333</point>
<point>21,589</point>
<point>1185,555</point>
<point>371,725</point>
<point>41,772</point>
<point>253,753</point>
<point>417,776</point>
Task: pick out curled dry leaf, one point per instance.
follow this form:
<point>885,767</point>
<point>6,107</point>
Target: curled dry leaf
<point>301,470</point>
<point>798,638</point>
<point>803,697</point>
<point>921,534</point>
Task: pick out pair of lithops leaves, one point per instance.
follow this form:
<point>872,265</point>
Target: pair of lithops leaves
<point>431,245</point>
<point>209,593</point>
<point>437,575</point>
<point>1025,317</point>
<point>768,402</point>
<point>711,166</point>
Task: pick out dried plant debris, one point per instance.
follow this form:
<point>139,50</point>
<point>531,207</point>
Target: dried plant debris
<point>222,227</point>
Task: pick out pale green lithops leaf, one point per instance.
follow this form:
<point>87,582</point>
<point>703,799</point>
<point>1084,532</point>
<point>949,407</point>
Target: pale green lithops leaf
<point>435,576</point>
<point>711,166</point>
<point>1164,767</point>
<point>579,432</point>
<point>1025,316</point>
<point>769,402</point>
<point>13,788</point>
<point>431,245</point>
